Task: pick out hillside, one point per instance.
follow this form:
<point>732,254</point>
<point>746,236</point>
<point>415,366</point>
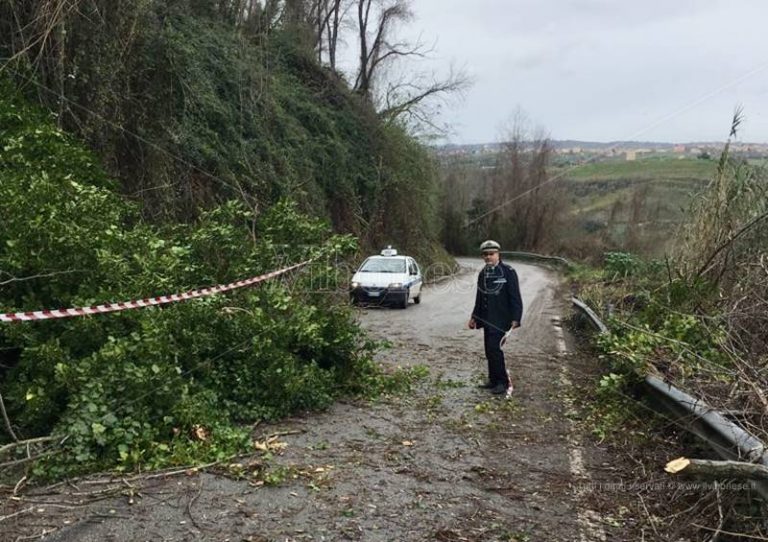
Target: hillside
<point>187,106</point>
<point>147,149</point>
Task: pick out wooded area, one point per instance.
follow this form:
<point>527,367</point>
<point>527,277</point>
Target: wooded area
<point>154,147</point>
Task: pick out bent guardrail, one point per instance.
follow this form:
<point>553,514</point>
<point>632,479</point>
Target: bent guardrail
<point>727,439</point>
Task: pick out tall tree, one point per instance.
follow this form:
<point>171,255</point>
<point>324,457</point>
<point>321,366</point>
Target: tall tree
<point>375,47</point>
<point>325,17</point>
<point>404,97</point>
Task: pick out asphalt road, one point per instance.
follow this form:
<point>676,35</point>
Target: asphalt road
<point>442,316</point>
<point>448,462</point>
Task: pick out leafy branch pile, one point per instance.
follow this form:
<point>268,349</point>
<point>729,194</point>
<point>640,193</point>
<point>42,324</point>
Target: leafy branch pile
<point>159,386</point>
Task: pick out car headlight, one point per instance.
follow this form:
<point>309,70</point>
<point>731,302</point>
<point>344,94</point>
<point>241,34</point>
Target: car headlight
<point>354,285</point>
<point>396,285</point>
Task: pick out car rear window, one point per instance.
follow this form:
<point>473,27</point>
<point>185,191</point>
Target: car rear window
<point>383,265</point>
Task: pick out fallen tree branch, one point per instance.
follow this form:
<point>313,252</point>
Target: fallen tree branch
<point>20,512</point>
<point>37,440</point>
<point>39,276</point>
<point>19,485</point>
<point>729,533</point>
<point>717,469</point>
<point>27,459</point>
<point>731,238</point>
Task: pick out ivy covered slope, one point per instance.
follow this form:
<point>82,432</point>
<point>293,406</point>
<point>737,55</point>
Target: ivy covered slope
<point>161,385</point>
<point>187,107</point>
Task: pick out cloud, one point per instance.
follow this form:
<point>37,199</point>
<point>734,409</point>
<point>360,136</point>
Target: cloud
<point>604,69</point>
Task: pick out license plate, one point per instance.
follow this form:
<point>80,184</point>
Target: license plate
<point>373,294</point>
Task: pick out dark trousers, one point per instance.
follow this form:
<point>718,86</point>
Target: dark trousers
<point>497,370</point>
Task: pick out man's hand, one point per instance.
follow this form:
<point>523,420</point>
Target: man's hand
<point>472,324</point>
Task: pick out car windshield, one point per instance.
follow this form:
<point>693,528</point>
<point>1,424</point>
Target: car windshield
<point>383,265</point>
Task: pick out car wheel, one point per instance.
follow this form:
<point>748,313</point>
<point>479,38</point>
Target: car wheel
<point>417,299</point>
<point>404,302</point>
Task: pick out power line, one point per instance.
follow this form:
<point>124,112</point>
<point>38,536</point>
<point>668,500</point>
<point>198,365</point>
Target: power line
<point>633,136</point>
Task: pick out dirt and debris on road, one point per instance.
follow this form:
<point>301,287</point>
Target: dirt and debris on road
<point>449,462</point>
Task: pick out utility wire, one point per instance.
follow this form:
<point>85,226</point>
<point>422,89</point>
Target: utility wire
<point>655,124</point>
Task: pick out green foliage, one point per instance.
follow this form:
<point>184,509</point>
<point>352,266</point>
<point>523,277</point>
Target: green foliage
<point>188,113</point>
<point>161,386</point>
<point>679,338</point>
<point>654,325</point>
<point>655,328</point>
<point>613,408</point>
<point>621,264</point>
<point>697,319</point>
<point>190,109</point>
<point>582,273</point>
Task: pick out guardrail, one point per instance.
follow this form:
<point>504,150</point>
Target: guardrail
<point>593,318</point>
<point>726,438</point>
<point>536,257</point>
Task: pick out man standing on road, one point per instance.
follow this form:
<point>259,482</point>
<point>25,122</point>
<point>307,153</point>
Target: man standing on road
<point>498,308</point>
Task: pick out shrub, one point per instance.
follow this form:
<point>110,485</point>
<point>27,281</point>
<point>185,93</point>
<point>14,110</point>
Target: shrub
<point>157,386</point>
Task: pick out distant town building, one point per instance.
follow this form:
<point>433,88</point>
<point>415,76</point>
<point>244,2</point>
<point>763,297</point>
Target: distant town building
<point>631,156</point>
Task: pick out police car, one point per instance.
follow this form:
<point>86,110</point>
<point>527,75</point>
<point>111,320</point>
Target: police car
<point>389,278</point>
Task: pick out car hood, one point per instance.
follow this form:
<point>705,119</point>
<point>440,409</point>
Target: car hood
<point>379,280</point>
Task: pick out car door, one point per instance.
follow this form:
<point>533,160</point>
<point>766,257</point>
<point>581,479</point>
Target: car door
<point>414,277</point>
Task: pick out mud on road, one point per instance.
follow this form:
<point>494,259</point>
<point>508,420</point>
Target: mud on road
<point>448,462</point>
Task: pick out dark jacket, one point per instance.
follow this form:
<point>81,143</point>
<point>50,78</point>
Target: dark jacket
<point>498,302</point>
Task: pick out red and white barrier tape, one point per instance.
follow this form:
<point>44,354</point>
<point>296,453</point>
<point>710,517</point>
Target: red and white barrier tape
<point>162,300</point>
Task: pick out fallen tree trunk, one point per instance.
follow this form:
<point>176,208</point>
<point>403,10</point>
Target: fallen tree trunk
<point>734,470</point>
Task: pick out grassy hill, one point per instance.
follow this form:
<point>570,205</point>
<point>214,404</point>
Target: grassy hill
<point>629,205</point>
<point>187,108</point>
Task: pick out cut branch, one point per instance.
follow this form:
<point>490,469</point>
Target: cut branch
<point>40,276</point>
<point>717,469</point>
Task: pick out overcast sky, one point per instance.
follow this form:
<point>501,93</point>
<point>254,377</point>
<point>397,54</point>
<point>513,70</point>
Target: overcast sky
<point>603,70</point>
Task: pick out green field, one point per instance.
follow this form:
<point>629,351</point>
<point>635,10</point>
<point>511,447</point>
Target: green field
<point>611,204</point>
<point>667,185</point>
<point>646,169</point>
<point>636,206</point>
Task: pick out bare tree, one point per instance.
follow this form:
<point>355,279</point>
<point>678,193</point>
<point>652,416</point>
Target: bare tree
<point>375,47</point>
<point>326,17</point>
<point>413,97</point>
<point>332,25</point>
<point>418,99</point>
<point>525,206</point>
